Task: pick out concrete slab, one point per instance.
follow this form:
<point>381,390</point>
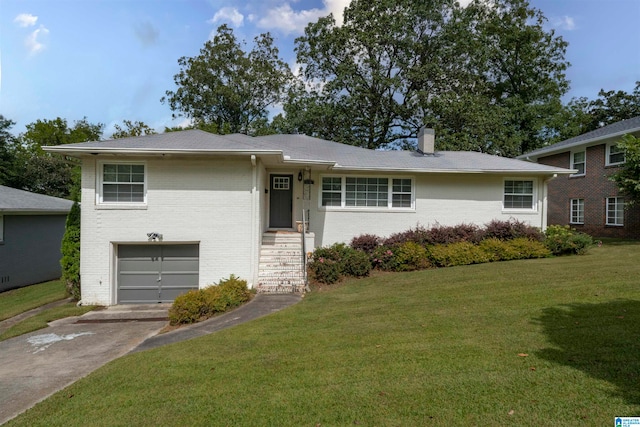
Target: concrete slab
<point>36,365</point>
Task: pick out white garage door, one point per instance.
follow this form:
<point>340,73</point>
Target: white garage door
<point>156,273</point>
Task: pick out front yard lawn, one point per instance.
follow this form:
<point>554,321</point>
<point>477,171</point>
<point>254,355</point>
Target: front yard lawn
<point>19,300</point>
<point>537,342</point>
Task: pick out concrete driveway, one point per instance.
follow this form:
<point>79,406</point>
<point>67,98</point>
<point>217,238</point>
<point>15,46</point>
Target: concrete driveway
<point>35,365</point>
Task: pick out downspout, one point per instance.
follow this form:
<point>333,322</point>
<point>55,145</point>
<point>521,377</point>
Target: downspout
<point>545,207</point>
<point>254,225</point>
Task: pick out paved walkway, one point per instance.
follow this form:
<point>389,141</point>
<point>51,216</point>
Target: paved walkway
<point>36,365</point>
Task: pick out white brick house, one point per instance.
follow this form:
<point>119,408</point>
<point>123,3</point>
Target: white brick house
<point>169,212</point>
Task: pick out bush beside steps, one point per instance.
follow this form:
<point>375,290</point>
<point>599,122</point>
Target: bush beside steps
<point>201,304</point>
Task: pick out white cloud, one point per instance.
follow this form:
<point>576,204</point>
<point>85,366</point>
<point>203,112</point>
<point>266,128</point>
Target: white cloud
<point>565,23</point>
<point>26,20</point>
<point>34,41</point>
<point>228,14</point>
<point>287,20</point>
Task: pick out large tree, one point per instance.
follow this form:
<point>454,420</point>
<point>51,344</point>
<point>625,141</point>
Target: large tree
<point>131,128</point>
<point>628,176</point>
<point>47,173</point>
<point>487,76</point>
<point>7,152</point>
<point>228,88</point>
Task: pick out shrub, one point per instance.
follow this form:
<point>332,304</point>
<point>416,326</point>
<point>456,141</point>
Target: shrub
<point>527,248</point>
<point>325,270</point>
<point>357,264</point>
<point>418,235</point>
<point>561,240</point>
<point>200,304</point>
<point>187,308</point>
<point>329,264</point>
<point>70,261</point>
<point>511,229</point>
<point>444,235</point>
<point>461,253</point>
<point>382,258</point>
<point>498,250</point>
<point>366,243</point>
<point>409,256</point>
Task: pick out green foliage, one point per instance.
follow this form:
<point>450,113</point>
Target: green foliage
<point>70,261</point>
<point>527,248</point>
<point>329,264</point>
<point>461,253</point>
<point>488,77</point>
<point>407,256</point>
<point>562,240</point>
<point>628,175</point>
<point>7,152</point>
<point>498,250</point>
<point>129,129</point>
<point>200,304</point>
<point>228,88</point>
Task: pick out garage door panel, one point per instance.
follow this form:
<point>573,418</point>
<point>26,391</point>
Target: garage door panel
<point>156,273</point>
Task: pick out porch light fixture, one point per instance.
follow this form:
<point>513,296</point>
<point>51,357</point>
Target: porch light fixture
<point>300,176</point>
<point>154,237</point>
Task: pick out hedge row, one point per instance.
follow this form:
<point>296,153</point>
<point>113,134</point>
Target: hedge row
<point>440,246</point>
<point>200,304</point>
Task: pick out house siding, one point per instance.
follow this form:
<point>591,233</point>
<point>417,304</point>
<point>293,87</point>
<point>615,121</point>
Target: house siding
<point>594,187</point>
<point>30,252</point>
<point>208,202</point>
<point>445,199</point>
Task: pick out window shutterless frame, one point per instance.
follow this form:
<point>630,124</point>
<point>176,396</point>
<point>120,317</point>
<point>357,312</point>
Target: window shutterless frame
<point>519,195</point>
<point>577,211</point>
<point>121,183</point>
<point>366,192</point>
<point>615,211</point>
<point>579,162</point>
<point>615,155</point>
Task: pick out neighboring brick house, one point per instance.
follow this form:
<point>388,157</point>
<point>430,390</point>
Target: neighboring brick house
<point>589,200</point>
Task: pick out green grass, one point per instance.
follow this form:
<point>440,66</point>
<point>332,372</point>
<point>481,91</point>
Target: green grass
<point>40,320</point>
<point>19,300</point>
<point>438,347</point>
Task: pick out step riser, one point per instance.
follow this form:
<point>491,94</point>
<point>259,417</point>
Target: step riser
<point>281,268</point>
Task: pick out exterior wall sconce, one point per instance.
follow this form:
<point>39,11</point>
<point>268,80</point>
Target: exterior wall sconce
<point>154,237</point>
<point>300,176</point>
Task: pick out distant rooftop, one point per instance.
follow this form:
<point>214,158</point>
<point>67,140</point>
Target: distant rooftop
<point>595,136</point>
<point>14,200</point>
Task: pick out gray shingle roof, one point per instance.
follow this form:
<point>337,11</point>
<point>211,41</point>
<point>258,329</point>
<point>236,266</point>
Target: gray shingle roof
<point>14,200</point>
<point>595,136</point>
<point>302,149</point>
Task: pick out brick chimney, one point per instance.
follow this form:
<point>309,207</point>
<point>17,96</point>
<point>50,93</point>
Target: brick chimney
<point>426,140</point>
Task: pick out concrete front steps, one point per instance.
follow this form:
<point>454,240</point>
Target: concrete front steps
<point>281,268</point>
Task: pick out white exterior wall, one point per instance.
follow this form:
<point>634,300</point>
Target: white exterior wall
<point>188,201</point>
<point>445,199</point>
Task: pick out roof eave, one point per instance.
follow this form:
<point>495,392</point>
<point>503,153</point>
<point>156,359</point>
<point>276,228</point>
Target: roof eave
<point>459,171</point>
<point>78,152</point>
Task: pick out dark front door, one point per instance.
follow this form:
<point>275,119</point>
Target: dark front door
<point>280,201</point>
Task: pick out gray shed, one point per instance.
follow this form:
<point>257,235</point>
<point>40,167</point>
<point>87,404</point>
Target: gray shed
<point>31,230</point>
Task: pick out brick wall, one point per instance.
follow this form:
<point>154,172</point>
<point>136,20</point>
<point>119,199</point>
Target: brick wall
<point>594,187</point>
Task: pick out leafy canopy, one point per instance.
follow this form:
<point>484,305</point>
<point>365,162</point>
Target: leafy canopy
<point>628,176</point>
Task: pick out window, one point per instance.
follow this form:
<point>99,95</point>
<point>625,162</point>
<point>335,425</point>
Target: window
<point>615,155</point>
<point>367,192</point>
<point>280,182</point>
<point>123,183</point>
<point>578,161</point>
<point>615,211</point>
<point>577,211</point>
<point>518,194</point>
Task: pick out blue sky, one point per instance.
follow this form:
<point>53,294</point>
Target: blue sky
<point>111,60</point>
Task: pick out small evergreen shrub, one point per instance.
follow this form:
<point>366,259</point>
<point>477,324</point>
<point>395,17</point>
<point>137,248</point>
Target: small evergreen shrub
<point>562,240</point>
<point>527,248</point>
<point>70,261</point>
<point>498,250</point>
<point>187,308</point>
<point>200,304</point>
<point>409,256</point>
<point>366,243</point>
<point>383,258</point>
<point>357,264</point>
<point>329,264</point>
<point>461,253</point>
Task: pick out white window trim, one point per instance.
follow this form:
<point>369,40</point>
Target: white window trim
<point>607,211</point>
<point>608,154</point>
<point>534,201</point>
<point>389,208</point>
<point>571,166</point>
<point>119,205</point>
<point>571,211</point>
